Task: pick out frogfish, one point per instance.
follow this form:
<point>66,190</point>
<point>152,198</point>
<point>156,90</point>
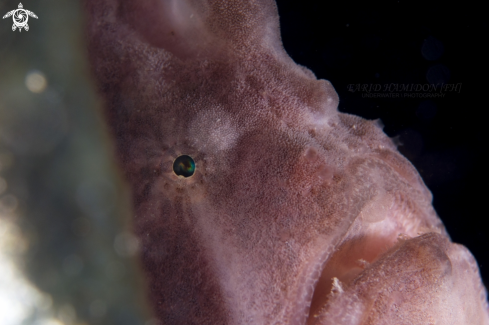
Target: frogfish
<point>255,201</point>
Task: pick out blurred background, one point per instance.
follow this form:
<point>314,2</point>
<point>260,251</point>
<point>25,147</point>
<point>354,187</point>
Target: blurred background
<point>66,253</point>
<point>409,43</point>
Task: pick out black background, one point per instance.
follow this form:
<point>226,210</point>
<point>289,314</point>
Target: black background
<point>397,42</point>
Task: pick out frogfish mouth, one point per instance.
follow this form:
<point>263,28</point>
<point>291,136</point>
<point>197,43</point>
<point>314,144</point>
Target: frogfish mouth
<point>255,200</point>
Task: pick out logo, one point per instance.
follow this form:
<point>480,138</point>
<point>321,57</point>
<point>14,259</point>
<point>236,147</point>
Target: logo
<point>20,17</point>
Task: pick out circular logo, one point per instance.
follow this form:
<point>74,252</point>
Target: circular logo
<point>20,18</point>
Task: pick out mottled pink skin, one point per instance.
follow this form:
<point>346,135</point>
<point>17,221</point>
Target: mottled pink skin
<point>297,213</point>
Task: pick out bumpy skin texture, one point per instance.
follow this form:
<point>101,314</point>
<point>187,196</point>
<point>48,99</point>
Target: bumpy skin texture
<point>296,213</point>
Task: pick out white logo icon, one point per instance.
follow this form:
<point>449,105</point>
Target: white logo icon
<point>20,17</point>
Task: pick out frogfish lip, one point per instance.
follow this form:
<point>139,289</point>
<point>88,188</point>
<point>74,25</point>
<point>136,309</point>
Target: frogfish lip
<point>335,269</point>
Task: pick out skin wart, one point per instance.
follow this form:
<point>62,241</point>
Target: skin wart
<point>296,213</point>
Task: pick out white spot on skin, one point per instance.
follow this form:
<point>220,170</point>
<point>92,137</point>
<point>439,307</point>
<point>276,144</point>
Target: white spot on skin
<point>362,263</point>
<point>318,120</point>
<point>213,131</point>
<point>402,237</point>
<point>337,287</point>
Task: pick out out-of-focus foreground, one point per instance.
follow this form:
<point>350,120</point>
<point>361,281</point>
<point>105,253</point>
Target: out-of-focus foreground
<point>66,256</point>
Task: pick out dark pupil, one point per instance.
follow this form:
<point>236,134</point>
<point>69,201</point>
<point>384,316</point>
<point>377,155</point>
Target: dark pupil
<point>184,166</point>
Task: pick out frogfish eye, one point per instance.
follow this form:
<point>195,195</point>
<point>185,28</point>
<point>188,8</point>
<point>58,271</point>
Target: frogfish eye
<point>184,166</point>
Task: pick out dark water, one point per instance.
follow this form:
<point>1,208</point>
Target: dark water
<point>395,43</point>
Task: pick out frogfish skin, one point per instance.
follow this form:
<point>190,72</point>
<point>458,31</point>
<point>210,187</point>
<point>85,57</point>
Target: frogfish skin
<point>255,200</point>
